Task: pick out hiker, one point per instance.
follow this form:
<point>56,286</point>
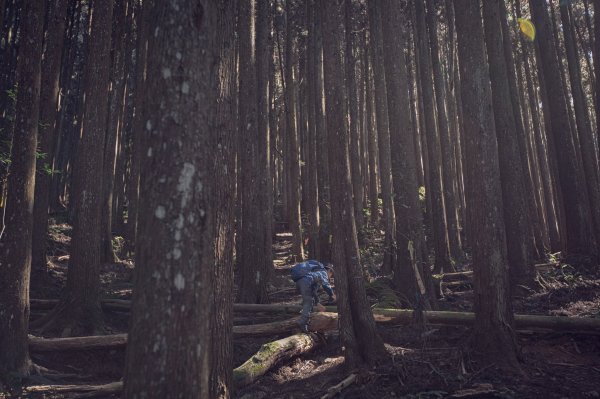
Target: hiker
<point>308,276</point>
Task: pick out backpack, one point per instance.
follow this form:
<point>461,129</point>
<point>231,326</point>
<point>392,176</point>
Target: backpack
<point>301,270</point>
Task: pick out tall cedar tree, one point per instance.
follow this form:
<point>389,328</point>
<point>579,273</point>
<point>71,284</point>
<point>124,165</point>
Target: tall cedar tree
<point>48,132</point>
<point>291,59</point>
<point>15,236</point>
<point>519,238</point>
<point>352,31</point>
<point>442,98</point>
<point>312,207</point>
<point>224,141</point>
<point>435,188</point>
<point>494,332</point>
<point>255,256</point>
<point>357,327</point>
<point>170,348</point>
<point>383,137</point>
<point>584,129</point>
<point>596,57</point>
<point>118,72</point>
<point>409,268</point>
<point>79,311</point>
<point>138,124</point>
<point>580,237</point>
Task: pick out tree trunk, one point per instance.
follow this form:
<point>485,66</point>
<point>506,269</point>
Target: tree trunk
<point>115,123</point>
<point>586,139</point>
<point>139,121</point>
<point>312,208</point>
<point>372,133</point>
<point>358,331</point>
<point>291,57</point>
<point>80,312</point>
<point>435,188</point>
<point>519,237</point>
<point>580,238</point>
<point>352,30</point>
<point>494,333</point>
<point>16,233</point>
<point>322,153</point>
<point>596,51</point>
<point>383,138</point>
<point>408,271</point>
<point>254,257</point>
<point>224,141</point>
<point>177,214</point>
<point>443,134</point>
<point>48,134</point>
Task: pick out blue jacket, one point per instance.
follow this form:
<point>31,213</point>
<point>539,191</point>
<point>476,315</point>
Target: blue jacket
<point>313,273</point>
<point>320,277</point>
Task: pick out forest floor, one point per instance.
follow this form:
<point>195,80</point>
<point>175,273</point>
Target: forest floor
<point>425,361</point>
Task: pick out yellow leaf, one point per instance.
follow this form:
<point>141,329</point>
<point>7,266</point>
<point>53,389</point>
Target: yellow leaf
<point>527,28</point>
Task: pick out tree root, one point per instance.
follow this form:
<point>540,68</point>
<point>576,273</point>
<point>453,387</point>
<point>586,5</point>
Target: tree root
<point>68,319</point>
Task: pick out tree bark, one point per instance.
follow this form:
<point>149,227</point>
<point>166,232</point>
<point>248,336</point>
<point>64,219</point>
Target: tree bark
<point>408,271</point>
<point>114,127</point>
<point>445,144</point>
<point>48,133</point>
<point>358,331</point>
<point>224,141</point>
<point>580,237</point>
<point>291,58</point>
<point>177,214</point>
<point>254,258</point>
<point>383,137</point>
<point>586,139</point>
<point>352,29</point>
<point>16,233</point>
<point>79,312</point>
<point>435,188</point>
<point>494,335</point>
<point>519,237</point>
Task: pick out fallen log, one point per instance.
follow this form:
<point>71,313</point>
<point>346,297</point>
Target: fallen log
<point>268,356</point>
<point>319,322</point>
<point>38,344</point>
<point>79,391</point>
<point>405,316</point>
<point>272,353</point>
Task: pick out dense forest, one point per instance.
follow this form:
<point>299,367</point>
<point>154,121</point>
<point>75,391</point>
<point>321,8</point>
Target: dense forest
<point>179,178</point>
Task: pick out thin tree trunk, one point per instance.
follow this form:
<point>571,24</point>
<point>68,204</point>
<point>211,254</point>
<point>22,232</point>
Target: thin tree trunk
<point>443,135</point>
<point>357,326</point>
<point>48,134</point>
<point>383,139</point>
<point>291,57</point>
<point>435,189</point>
<point>580,238</point>
<point>115,123</point>
<point>586,139</point>
<point>224,141</point>
<point>16,233</point>
<point>352,29</point>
